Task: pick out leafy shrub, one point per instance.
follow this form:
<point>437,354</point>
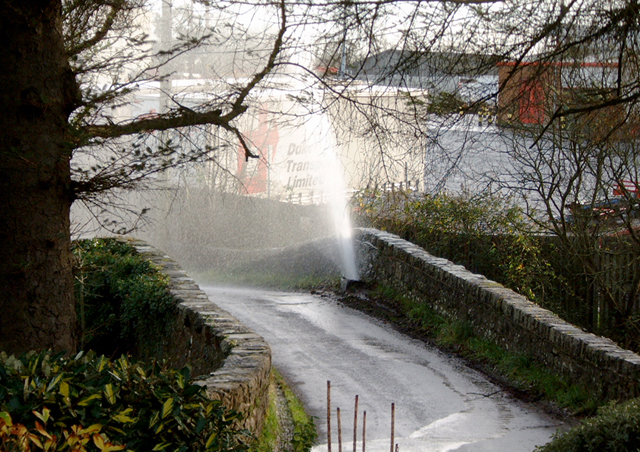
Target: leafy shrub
<point>615,429</point>
<point>51,402</point>
<point>17,438</point>
<point>123,302</point>
<point>304,436</point>
<point>485,232</point>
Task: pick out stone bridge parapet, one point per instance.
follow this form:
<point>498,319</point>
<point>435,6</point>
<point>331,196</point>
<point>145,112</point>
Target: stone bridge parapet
<point>233,362</point>
<point>499,314</point>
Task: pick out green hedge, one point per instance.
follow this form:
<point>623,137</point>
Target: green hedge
<point>586,282</point>
<point>615,429</point>
<point>52,402</point>
<point>123,302</point>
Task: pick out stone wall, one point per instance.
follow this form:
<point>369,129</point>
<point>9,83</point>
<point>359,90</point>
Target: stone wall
<point>231,360</point>
<point>500,314</point>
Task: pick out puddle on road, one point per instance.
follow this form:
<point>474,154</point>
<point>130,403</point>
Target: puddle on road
<point>290,300</point>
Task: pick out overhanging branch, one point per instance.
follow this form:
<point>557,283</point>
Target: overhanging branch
<point>185,117</point>
<point>182,118</point>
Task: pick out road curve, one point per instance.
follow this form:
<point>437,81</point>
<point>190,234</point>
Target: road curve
<point>440,404</point>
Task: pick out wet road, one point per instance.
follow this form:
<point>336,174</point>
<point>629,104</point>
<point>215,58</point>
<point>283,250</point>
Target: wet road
<point>441,405</point>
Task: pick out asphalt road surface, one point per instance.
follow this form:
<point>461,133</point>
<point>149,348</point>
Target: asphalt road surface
<point>440,404</point>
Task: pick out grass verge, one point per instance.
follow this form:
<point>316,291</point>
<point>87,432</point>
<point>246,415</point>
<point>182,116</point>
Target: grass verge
<point>304,428</point>
<point>521,373</point>
<point>272,431</point>
<point>292,430</point>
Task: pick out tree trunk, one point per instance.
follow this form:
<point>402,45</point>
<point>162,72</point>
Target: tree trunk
<point>37,94</point>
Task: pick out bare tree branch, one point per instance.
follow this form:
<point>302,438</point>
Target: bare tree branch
<point>116,7</point>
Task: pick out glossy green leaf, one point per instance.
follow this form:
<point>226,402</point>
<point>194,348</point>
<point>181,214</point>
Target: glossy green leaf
<point>109,393</point>
<point>6,417</point>
<point>211,439</point>
<point>193,389</point>
<point>201,424</point>
<point>35,440</point>
<point>87,401</point>
<point>40,429</point>
<point>46,369</point>
<point>159,428</point>
<point>54,382</point>
<point>93,428</point>
<point>117,430</point>
<point>167,407</point>
<point>44,416</point>
<point>102,363</point>
<point>64,389</point>
<point>123,416</point>
<point>141,372</point>
<point>154,419</point>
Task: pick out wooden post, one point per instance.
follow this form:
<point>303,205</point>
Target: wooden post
<point>328,416</point>
<point>393,421</point>
<point>364,429</point>
<point>355,424</point>
<point>339,431</point>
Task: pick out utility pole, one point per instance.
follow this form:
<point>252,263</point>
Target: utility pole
<point>165,44</point>
<point>164,72</point>
<point>343,62</point>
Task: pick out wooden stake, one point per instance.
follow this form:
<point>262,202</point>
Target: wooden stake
<point>393,421</point>
<point>364,429</point>
<point>339,431</point>
<point>328,416</point>
<point>355,424</point>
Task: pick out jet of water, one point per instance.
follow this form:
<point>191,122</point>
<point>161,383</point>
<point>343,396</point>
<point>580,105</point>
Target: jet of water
<point>321,136</point>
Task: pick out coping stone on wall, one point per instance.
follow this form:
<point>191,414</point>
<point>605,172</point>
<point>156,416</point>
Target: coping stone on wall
<point>241,380</point>
<point>500,314</point>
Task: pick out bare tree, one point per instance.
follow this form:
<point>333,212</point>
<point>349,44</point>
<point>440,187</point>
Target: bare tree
<point>68,67</point>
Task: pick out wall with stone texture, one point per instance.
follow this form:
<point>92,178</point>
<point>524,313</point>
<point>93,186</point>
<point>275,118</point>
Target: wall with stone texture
<point>500,314</point>
<point>233,362</point>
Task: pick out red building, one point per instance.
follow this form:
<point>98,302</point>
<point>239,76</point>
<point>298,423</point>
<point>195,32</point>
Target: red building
<point>530,93</point>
